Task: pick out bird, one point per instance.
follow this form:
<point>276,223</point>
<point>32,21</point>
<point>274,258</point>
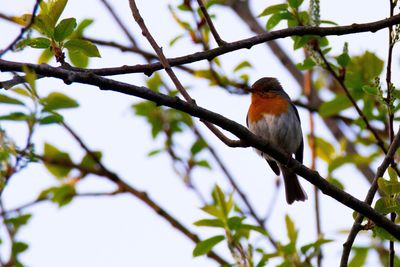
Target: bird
<point>273,117</point>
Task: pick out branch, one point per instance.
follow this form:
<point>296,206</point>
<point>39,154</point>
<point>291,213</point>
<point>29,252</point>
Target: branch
<point>39,200</point>
<point>329,68</point>
<point>101,170</point>
<point>167,67</point>
<point>240,131</point>
<point>368,199</point>
<point>23,30</point>
<point>214,32</point>
<point>119,22</point>
<point>148,69</point>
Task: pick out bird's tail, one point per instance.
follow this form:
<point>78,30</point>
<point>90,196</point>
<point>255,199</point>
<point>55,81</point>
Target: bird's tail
<point>293,189</point>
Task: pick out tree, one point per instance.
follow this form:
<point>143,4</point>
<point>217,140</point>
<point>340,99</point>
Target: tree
<point>348,100</point>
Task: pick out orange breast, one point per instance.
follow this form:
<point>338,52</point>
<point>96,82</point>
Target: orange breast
<point>266,104</point>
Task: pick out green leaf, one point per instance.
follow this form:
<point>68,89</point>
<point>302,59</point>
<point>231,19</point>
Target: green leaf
<point>18,221</point>
<point>324,149</point>
<point>154,83</point>
<point>316,245</point>
<point>9,100</point>
<point>15,116</point>
<point>291,230</point>
<point>174,40</point>
<point>307,64</point>
<point>266,257</point>
<point>58,100</point>
<point>43,24</point>
<point>372,90</point>
<point>45,56</point>
<point>343,60</point>
<point>62,195</point>
<point>78,59</point>
<point>81,27</point>
<point>338,162</point>
<point>383,234</point>
<point>64,29</point>
<point>235,222</point>
<point>39,42</point>
<point>155,152</point>
<point>203,74</point>
<point>362,70</point>
<point>53,153</point>
<point>328,22</point>
<point>51,119</point>
<point>335,182</point>
<point>198,146</point>
<point>386,205</point>
<point>83,46</point>
<point>213,211</point>
<point>278,17</point>
<point>21,91</point>
<point>392,174</point>
<point>273,9</point>
<point>210,223</point>
<point>389,187</point>
<point>203,163</point>
<point>220,199</point>
<point>19,247</point>
<point>304,18</point>
<point>205,246</point>
<point>30,78</point>
<point>89,162</point>
<point>333,107</point>
<point>242,65</point>
<point>359,258</point>
<point>56,7</point>
<point>301,41</point>
<point>255,228</point>
<point>295,3</point>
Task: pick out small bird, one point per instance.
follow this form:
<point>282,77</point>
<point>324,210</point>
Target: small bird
<point>275,119</point>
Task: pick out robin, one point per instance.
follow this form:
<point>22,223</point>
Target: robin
<point>275,119</point>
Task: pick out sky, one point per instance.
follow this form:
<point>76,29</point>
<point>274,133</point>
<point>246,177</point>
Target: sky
<point>120,230</point>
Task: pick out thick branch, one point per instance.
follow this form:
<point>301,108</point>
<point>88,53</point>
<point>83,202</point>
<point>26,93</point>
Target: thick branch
<point>240,131</point>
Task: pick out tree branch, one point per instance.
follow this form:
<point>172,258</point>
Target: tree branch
<point>214,32</point>
<point>240,131</point>
<point>23,30</point>
<point>167,67</point>
<point>368,199</point>
<point>119,22</point>
<point>102,171</point>
<point>148,69</point>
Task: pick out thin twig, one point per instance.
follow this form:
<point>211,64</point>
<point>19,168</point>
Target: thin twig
<point>148,69</point>
<point>368,199</point>
<point>389,103</point>
<point>328,67</point>
<point>214,32</point>
<point>308,91</point>
<point>167,67</point>
<point>23,30</point>
<point>143,196</point>
<point>119,22</point>
<point>39,200</point>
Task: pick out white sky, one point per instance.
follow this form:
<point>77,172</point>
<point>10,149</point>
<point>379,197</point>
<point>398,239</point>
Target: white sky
<point>121,231</point>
